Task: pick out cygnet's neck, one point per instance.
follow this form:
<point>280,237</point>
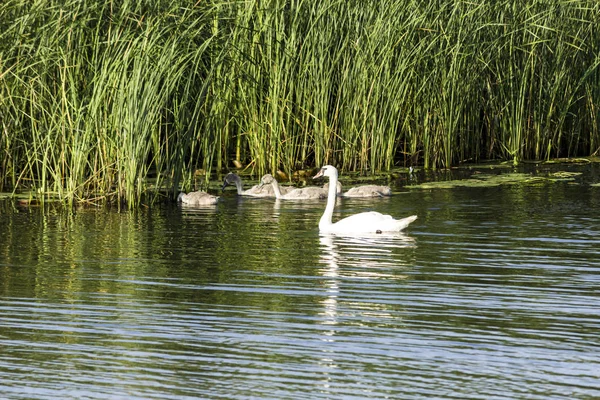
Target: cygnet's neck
<point>276,188</point>
<point>239,186</point>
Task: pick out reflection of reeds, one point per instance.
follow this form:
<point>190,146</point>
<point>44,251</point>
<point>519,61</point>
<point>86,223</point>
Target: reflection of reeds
<point>97,98</point>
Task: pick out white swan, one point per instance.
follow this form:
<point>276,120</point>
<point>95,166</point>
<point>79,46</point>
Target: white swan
<point>197,198</point>
<point>366,222</point>
<point>305,193</point>
<point>367,191</point>
<point>255,191</point>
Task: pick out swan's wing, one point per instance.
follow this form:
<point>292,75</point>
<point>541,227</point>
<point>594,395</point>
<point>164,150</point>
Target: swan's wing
<point>260,191</point>
<point>368,191</point>
<point>362,219</point>
<point>314,192</point>
<point>306,193</point>
<point>286,189</point>
<point>266,189</point>
<point>199,198</point>
<point>371,221</point>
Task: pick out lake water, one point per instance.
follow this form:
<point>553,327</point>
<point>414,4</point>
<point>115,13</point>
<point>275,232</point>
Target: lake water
<point>493,293</point>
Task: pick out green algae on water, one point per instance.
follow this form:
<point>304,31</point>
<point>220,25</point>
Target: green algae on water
<point>491,180</point>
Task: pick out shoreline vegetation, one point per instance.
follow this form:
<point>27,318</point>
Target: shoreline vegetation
<point>104,101</point>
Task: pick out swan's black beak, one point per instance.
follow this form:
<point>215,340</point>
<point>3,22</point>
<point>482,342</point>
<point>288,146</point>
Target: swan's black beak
<point>224,186</point>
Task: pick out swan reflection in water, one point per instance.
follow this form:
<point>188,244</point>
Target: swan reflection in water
<point>194,209</point>
<point>365,257</point>
<point>376,261</point>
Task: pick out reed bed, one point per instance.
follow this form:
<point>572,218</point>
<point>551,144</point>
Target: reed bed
<point>120,101</point>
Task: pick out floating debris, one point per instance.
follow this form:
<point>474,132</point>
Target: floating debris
<point>564,176</point>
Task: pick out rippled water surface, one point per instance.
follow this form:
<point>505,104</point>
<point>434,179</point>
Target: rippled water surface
<point>492,293</point>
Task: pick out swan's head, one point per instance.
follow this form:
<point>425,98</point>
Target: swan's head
<point>230,178</point>
<point>180,197</point>
<point>266,180</point>
<point>327,170</point>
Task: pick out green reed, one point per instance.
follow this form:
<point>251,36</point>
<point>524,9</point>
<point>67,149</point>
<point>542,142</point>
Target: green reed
<point>94,97</point>
<point>106,101</point>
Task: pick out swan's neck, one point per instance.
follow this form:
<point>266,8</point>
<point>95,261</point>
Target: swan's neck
<point>331,196</point>
<point>276,189</point>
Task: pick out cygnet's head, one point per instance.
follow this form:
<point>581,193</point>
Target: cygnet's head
<point>230,178</point>
<point>267,179</point>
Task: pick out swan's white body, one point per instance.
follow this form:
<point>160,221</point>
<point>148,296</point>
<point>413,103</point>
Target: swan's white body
<point>305,193</point>
<point>366,222</point>
<point>255,191</point>
<point>197,198</point>
<point>368,191</point>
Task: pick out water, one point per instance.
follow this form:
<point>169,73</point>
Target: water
<point>492,293</point>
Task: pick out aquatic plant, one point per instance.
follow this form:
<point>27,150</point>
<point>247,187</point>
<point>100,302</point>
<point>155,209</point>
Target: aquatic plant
<point>96,98</point>
<point>106,101</point>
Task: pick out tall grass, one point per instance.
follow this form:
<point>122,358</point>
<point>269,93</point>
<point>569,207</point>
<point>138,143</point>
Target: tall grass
<point>96,98</point>
<point>111,101</point>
